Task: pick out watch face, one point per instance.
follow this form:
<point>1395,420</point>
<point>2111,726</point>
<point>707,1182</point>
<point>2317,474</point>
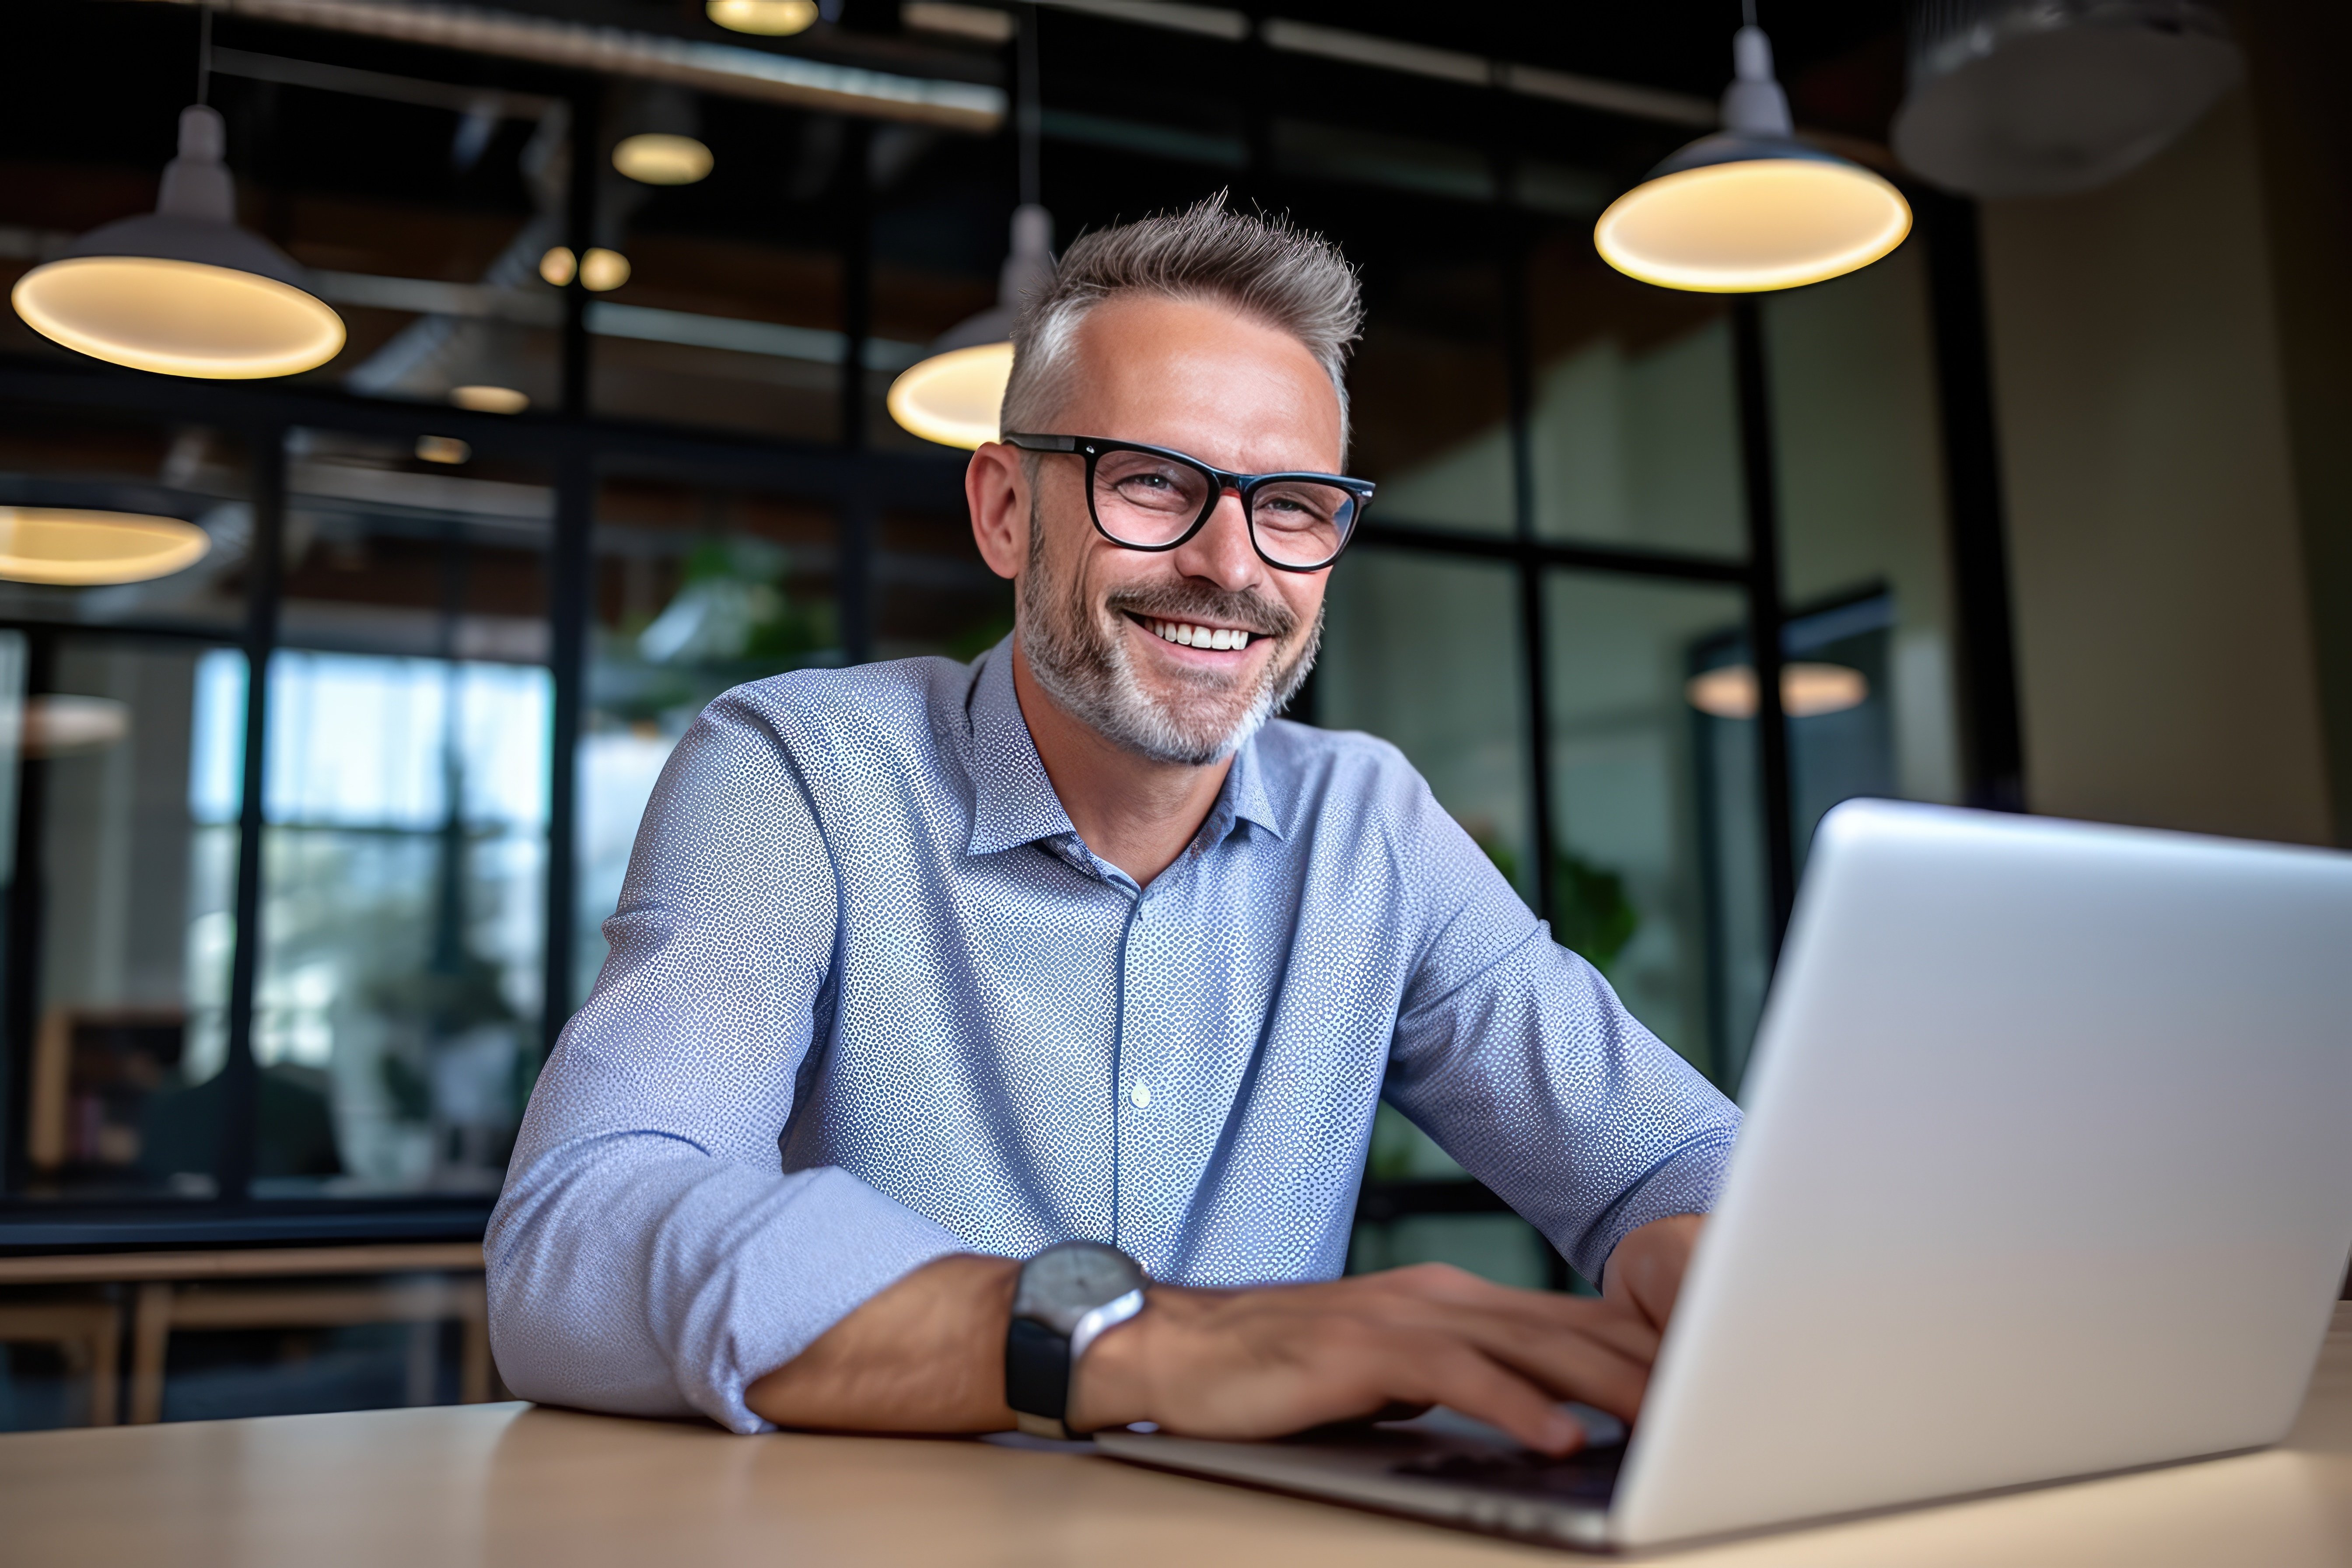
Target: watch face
<point>1063,1283</point>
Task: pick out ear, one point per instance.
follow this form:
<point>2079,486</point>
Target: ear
<point>998,493</point>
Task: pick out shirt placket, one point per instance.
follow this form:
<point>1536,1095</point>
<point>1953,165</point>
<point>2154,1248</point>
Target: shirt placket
<point>1137,1063</point>
<point>1167,1032</point>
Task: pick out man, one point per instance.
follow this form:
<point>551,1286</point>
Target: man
<point>922,968</point>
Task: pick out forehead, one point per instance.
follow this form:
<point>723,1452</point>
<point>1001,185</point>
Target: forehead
<point>1205,378</point>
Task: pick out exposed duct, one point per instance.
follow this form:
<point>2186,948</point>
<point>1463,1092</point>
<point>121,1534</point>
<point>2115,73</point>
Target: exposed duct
<point>724,69</point>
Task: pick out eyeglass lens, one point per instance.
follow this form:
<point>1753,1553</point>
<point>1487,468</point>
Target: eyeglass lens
<point>1144,499</point>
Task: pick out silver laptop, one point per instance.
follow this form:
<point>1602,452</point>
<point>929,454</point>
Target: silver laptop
<point>2047,1172</point>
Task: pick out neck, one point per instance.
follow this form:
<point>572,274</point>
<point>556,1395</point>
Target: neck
<point>1135,813</point>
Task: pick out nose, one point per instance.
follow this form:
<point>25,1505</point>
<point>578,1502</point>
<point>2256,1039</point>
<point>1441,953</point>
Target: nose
<point>1222,553</point>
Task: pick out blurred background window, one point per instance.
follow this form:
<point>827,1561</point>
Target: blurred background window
<point>308,841</point>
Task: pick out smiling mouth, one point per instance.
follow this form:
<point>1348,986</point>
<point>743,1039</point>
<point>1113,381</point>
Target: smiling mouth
<point>1185,633</point>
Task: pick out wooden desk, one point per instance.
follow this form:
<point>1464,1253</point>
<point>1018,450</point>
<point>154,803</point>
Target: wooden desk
<point>508,1483</point>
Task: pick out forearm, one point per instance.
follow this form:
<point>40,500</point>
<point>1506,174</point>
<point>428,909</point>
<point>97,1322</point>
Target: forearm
<point>1645,1272</point>
<point>636,1274</point>
<point>925,1355</point>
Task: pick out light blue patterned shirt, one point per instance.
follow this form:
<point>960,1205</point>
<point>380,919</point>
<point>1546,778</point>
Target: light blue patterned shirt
<point>871,1000</point>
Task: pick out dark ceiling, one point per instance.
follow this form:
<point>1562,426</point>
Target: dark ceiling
<point>1842,59</point>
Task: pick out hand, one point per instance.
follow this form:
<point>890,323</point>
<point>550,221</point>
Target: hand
<point>1278,1359</point>
<point>1646,1273</point>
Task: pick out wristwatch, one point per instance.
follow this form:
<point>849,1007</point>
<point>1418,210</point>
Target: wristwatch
<point>1068,1295</point>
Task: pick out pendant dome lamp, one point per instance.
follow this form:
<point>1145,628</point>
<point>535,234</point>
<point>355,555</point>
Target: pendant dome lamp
<point>182,290</point>
<point>955,394</point>
<point>75,547</point>
<point>1751,207</point>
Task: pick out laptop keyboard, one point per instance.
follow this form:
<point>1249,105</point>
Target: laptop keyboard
<point>1587,1476</point>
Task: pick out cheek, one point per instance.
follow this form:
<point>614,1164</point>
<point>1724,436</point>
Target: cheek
<point>1303,595</point>
<point>1107,569</point>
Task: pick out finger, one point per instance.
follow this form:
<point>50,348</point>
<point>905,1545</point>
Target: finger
<point>1434,1286</point>
<point>1579,1349</point>
<point>1443,1372</point>
<point>1623,1330</point>
<point>1574,1368</point>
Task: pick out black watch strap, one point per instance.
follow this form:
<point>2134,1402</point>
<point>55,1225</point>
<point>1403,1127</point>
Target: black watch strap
<point>1069,1295</point>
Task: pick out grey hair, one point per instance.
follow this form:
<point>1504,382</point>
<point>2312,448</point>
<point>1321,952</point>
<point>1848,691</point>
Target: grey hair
<point>1265,267</point>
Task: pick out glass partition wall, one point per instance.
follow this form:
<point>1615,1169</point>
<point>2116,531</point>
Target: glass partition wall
<point>307,847</point>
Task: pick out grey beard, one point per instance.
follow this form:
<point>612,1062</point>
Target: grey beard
<point>1084,667</point>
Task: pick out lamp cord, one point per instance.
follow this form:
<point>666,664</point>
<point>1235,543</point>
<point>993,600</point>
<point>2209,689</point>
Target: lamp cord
<point>204,52</point>
<point>1029,115</point>
<point>1747,11</point>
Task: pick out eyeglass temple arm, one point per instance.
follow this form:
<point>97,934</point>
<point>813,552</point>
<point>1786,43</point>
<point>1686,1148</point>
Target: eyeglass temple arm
<point>1040,443</point>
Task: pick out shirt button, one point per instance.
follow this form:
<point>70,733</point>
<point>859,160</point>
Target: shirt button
<point>1140,1095</point>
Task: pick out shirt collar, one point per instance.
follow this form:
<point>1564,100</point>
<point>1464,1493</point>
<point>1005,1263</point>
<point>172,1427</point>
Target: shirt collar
<point>1244,795</point>
<point>1013,802</point>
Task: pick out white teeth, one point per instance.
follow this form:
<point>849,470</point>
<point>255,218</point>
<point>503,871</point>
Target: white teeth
<point>1189,635</point>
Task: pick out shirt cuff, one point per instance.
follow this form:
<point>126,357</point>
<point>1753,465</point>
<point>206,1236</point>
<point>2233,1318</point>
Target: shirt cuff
<point>1688,1181</point>
<point>776,1272</point>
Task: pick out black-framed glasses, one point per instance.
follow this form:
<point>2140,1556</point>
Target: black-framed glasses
<point>1150,498</point>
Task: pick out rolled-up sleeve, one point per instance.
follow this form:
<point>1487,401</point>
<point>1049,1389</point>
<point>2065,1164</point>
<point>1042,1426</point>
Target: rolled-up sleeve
<point>649,1255</point>
<point>1515,1055</point>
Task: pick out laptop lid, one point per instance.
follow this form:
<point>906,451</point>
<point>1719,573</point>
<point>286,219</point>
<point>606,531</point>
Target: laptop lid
<point>2047,1170</point>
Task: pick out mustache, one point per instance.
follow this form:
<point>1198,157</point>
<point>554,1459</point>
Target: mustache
<point>1252,612</point>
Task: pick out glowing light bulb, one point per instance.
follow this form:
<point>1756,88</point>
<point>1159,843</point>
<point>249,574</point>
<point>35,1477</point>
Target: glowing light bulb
<point>484,399</point>
<point>74,547</point>
<point>1763,223</point>
<point>658,158</point>
<point>769,18</point>
<point>1807,691</point>
<point>602,270</point>
<point>954,397</point>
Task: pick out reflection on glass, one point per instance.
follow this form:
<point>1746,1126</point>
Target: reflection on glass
<point>1634,417</point>
<point>397,1002</point>
<point>696,590</point>
<point>1848,750</point>
<point>1838,748</point>
<point>1430,395</point>
<point>190,472</point>
<point>397,996</point>
<point>1658,879</point>
<point>1423,651</point>
<point>127,906</point>
<point>1858,451</point>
